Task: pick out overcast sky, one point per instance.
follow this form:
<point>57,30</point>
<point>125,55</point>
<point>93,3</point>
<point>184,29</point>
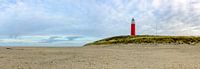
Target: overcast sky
<point>76,22</point>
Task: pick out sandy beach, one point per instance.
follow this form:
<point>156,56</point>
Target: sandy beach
<point>104,57</point>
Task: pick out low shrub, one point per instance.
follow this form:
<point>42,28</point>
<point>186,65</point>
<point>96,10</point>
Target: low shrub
<point>148,39</point>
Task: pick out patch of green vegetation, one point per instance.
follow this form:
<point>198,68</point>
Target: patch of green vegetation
<point>148,39</point>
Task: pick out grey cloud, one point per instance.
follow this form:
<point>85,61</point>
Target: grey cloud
<point>100,18</point>
<point>51,40</point>
<point>54,39</point>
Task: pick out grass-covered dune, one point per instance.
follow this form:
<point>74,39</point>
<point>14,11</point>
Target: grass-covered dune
<point>148,39</point>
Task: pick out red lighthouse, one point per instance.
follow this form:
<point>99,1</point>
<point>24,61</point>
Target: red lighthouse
<point>133,29</point>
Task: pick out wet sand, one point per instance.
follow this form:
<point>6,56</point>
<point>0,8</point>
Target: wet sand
<point>104,57</point>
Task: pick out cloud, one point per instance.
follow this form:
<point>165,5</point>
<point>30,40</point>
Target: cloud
<point>53,39</point>
<point>172,18</point>
<point>79,17</point>
<point>49,40</point>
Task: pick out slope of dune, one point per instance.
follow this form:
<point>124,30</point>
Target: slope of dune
<point>148,39</point>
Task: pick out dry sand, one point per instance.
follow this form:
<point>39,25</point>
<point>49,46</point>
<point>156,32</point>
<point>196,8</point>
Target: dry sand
<point>113,57</point>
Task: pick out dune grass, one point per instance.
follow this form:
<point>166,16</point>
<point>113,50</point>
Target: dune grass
<point>148,39</point>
